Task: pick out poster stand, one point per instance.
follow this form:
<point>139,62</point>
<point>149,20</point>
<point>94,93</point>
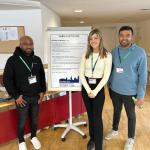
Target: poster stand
<point>66,46</point>
<point>71,126</point>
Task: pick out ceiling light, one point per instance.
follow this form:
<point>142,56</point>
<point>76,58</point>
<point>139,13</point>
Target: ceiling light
<point>82,22</point>
<point>78,11</point>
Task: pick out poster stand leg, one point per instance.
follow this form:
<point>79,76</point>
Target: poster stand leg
<point>71,126</point>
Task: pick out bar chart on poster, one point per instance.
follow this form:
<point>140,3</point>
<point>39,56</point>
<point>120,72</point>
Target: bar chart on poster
<point>66,45</point>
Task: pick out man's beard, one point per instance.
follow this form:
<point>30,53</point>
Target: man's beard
<point>28,53</point>
<point>126,44</point>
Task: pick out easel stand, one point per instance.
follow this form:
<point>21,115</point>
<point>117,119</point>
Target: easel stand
<point>71,126</point>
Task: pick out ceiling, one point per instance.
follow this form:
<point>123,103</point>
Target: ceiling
<point>18,4</point>
<point>99,11</point>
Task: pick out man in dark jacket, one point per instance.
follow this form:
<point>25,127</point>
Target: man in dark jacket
<point>24,80</point>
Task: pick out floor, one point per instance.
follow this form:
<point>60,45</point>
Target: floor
<point>50,139</point>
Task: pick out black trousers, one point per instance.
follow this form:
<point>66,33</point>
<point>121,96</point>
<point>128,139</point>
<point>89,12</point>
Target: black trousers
<point>118,100</point>
<point>31,109</point>
<point>94,107</point>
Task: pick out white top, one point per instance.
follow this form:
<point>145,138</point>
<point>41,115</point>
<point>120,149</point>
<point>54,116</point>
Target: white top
<point>102,70</point>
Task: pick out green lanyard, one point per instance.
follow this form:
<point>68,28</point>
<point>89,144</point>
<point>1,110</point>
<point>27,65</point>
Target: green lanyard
<point>26,64</point>
<point>93,66</point>
<point>123,58</point>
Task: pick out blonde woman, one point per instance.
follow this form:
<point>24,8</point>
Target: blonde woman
<point>95,68</point>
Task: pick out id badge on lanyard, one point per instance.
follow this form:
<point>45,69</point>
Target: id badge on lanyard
<point>119,70</point>
<point>32,79</point>
<point>92,81</point>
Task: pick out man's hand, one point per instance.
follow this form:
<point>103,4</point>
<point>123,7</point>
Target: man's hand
<point>41,97</point>
<point>20,101</point>
<point>139,102</point>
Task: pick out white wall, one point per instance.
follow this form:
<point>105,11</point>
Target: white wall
<point>143,37</point>
<point>49,19</point>
<point>110,33</point>
<point>31,20</point>
<point>35,22</point>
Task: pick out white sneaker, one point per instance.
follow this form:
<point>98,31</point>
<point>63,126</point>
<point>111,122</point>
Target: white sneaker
<point>22,146</point>
<point>36,143</point>
<point>111,134</point>
<point>129,144</point>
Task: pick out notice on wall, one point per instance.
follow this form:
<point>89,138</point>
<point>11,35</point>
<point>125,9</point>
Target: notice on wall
<point>66,48</point>
<point>8,33</point>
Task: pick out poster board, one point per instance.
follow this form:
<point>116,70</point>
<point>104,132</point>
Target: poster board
<point>66,45</point>
<point>9,38</point>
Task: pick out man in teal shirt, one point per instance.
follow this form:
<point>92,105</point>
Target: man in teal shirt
<point>128,79</point>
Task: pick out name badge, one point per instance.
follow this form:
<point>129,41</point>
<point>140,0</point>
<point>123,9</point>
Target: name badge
<point>119,70</point>
<point>32,79</point>
<point>92,81</point>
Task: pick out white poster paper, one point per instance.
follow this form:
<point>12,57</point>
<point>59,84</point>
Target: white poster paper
<point>66,48</point>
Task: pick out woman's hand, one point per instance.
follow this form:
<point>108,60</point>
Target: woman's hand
<point>91,95</point>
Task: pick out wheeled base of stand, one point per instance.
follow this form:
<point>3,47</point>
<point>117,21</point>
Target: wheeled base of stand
<point>71,126</point>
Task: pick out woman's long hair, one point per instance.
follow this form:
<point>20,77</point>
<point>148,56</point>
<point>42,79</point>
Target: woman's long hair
<point>102,50</point>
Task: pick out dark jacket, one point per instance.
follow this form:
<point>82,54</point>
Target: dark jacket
<point>16,75</point>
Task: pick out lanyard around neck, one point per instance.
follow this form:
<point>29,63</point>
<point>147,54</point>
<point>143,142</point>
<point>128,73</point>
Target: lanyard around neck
<point>124,57</point>
<point>93,66</point>
<point>26,64</point>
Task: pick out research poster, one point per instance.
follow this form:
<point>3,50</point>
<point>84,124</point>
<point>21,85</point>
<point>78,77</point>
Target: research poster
<point>66,46</point>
